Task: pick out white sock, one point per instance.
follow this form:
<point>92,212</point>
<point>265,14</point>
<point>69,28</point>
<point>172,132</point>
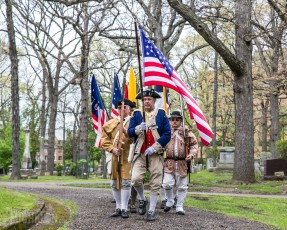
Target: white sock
<point>153,200</point>
<point>140,191</point>
<point>125,196</point>
<point>169,195</point>
<point>117,196</point>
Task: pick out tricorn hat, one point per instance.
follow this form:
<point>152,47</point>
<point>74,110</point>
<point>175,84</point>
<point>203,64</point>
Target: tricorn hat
<point>126,102</point>
<point>175,114</point>
<point>148,93</point>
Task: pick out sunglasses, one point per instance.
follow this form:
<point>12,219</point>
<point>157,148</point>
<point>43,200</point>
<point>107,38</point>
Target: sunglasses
<point>175,119</point>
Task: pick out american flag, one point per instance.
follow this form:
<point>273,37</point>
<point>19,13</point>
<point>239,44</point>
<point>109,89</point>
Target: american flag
<point>158,71</point>
<point>117,95</point>
<point>98,111</point>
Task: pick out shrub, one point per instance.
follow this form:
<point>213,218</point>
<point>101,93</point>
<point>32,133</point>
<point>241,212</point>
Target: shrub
<point>281,148</point>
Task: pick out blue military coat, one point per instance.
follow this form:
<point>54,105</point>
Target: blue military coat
<point>162,126</point>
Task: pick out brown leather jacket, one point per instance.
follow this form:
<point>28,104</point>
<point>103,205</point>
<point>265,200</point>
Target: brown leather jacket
<point>183,155</point>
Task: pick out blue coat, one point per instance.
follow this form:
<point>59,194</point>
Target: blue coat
<point>162,122</point>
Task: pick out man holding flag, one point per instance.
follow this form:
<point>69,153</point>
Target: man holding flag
<point>150,138</point>
<point>110,140</point>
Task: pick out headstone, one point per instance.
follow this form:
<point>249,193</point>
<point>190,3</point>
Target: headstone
<point>226,159</point>
<point>257,168</point>
<point>275,165</point>
<point>9,170</point>
<point>27,162</point>
<point>210,162</point>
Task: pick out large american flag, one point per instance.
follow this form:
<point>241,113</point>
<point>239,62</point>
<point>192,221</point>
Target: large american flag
<point>117,95</point>
<point>158,71</point>
<point>98,111</point>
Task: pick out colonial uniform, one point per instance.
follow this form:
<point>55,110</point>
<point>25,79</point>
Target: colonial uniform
<point>175,166</point>
<point>110,138</point>
<point>157,136</point>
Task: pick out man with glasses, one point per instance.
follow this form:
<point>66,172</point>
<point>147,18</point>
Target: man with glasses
<point>110,138</point>
<point>179,152</point>
<point>150,137</point>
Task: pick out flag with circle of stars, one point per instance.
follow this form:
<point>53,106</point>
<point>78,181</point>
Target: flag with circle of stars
<point>117,95</point>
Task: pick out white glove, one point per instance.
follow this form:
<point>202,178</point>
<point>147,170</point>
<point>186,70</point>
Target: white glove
<point>149,151</point>
<point>143,126</point>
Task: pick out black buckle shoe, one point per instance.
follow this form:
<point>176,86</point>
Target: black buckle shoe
<point>166,209</point>
<point>133,208</point>
<point>124,213</point>
<point>162,205</point>
<point>151,216</point>
<point>142,207</point>
<point>180,213</point>
<point>116,213</point>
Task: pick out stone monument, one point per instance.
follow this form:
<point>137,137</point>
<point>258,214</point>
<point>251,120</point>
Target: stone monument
<point>226,160</point>
<point>27,162</point>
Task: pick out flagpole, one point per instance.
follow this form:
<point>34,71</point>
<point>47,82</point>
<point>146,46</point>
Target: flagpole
<point>186,147</point>
<point>141,86</point>
<point>140,69</point>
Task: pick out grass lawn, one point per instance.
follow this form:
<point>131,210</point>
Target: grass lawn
<point>55,178</point>
<point>13,204</point>
<point>204,180</point>
<point>271,212</point>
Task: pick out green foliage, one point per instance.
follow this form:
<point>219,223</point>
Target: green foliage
<point>6,145</point>
<point>214,152</point>
<point>281,148</point>
<point>59,167</point>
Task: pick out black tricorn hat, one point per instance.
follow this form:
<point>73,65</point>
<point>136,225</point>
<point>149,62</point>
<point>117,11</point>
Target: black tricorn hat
<point>148,93</point>
<point>126,102</point>
<point>175,114</point>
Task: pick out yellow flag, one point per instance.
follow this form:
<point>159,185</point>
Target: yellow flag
<point>132,86</point>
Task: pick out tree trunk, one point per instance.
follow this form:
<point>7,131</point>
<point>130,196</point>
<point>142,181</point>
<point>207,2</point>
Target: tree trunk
<point>215,93</point>
<point>240,65</point>
<point>243,94</point>
<point>14,93</point>
<point>264,108</point>
<point>274,129</point>
<point>51,133</point>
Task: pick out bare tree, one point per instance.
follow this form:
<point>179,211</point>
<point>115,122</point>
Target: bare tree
<point>14,93</point>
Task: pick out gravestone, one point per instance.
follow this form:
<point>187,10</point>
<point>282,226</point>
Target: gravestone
<point>273,166</point>
<point>27,162</point>
<point>210,162</point>
<point>226,159</point>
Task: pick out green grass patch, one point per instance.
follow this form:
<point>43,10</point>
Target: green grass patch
<point>204,181</point>
<point>271,212</point>
<point>55,178</point>
<point>13,204</point>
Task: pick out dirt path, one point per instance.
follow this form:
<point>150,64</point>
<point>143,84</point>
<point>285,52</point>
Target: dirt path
<point>95,207</point>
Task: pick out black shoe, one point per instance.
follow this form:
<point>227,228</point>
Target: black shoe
<point>124,213</point>
<point>142,207</point>
<point>166,209</point>
<point>133,208</point>
<point>162,205</point>
<point>175,201</point>
<point>113,201</point>
<point>116,213</point>
<point>150,216</point>
<point>180,213</point>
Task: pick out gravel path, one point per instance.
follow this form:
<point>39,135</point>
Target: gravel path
<point>95,207</point>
